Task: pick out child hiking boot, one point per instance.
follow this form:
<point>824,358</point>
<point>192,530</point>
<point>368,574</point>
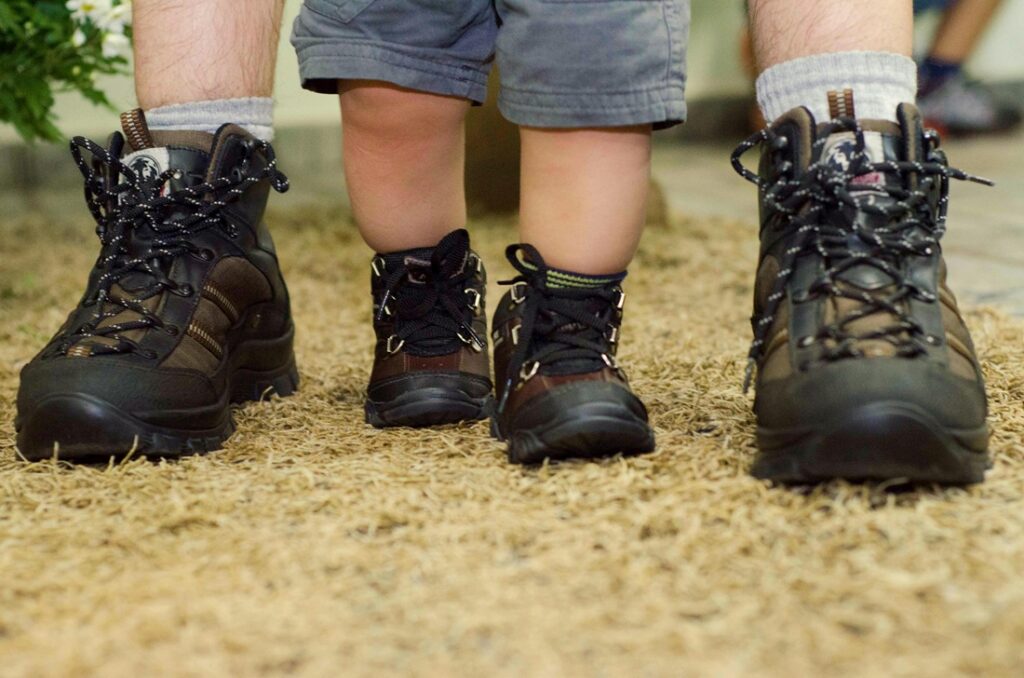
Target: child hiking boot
<point>185,311</point>
<point>430,364</point>
<point>865,369</point>
<point>561,391</point>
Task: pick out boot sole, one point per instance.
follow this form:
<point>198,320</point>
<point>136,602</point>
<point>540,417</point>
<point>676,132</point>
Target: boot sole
<point>881,441</point>
<point>83,428</point>
<point>588,430</point>
<point>424,407</point>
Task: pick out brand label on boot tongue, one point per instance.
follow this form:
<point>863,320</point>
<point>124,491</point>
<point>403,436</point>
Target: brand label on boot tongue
<point>148,164</point>
<point>841,149</point>
<point>420,269</point>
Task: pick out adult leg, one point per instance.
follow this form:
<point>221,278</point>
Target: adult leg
<point>789,29</point>
<point>807,48</point>
<point>199,63</point>
<point>858,343</point>
<point>174,329</point>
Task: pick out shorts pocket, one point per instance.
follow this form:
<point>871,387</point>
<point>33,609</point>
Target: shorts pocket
<point>344,10</point>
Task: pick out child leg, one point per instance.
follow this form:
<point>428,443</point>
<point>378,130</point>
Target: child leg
<point>403,153</point>
<point>585,185</point>
<point>586,83</point>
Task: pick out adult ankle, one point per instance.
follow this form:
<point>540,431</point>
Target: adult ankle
<point>253,114</point>
<point>880,82</point>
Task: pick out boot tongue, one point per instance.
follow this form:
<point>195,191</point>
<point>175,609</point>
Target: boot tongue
<point>881,144</point>
<point>883,141</point>
<point>452,254</point>
<point>445,261</point>
<point>148,154</point>
<point>840,151</point>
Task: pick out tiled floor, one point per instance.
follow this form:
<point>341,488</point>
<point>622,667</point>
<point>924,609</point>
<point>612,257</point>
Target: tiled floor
<point>985,241</point>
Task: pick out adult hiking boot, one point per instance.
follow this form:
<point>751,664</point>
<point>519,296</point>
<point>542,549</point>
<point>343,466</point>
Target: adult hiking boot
<point>561,391</point>
<point>430,363</point>
<point>185,311</point>
<point>865,369</point>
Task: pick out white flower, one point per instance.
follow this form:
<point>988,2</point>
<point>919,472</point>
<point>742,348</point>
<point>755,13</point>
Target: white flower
<point>116,45</point>
<point>88,9</point>
<point>116,18</point>
<point>78,39</point>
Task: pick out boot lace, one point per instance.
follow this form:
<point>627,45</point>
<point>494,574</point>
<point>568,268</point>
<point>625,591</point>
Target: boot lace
<point>431,314</point>
<point>558,325</point>
<point>122,209</point>
<point>819,208</point>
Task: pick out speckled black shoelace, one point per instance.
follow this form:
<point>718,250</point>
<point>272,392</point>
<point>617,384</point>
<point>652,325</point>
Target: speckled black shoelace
<point>824,189</point>
<point>121,210</point>
<point>434,315</point>
<point>559,325</point>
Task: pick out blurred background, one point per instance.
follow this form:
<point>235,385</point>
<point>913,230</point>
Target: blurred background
<point>691,161</point>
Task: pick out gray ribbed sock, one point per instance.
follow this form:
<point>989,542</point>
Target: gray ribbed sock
<point>880,81</point>
<point>254,114</point>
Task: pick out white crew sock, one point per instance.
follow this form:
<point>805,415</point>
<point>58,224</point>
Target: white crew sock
<point>254,114</point>
<point>880,82</point>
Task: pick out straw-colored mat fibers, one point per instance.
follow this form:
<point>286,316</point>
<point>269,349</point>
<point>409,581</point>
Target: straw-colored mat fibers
<point>315,545</point>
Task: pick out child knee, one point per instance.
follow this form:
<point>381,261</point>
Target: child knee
<point>383,108</point>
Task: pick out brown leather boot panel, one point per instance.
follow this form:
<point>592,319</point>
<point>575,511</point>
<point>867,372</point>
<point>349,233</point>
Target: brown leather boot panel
<point>542,383</point>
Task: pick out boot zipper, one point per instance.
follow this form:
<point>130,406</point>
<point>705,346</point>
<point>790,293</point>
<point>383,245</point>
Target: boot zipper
<point>134,125</point>
<point>205,340</point>
<point>221,300</point>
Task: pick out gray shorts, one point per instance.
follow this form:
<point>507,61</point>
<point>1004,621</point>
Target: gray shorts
<point>563,63</point>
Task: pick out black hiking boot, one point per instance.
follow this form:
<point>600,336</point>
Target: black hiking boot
<point>561,391</point>
<point>865,369</point>
<point>185,311</point>
<point>430,363</point>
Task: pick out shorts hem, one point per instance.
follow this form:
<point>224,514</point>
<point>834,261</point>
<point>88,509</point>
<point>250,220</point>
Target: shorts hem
<point>660,106</point>
<point>321,66</point>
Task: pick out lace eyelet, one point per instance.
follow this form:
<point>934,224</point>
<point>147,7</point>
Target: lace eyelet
<point>518,292</point>
<point>394,347</point>
<point>471,339</point>
<point>172,330</point>
<point>476,263</point>
<point>932,340</point>
<point>528,372</point>
<point>149,353</point>
<point>805,342</point>
<point>620,302</point>
<point>476,300</point>
<point>185,290</point>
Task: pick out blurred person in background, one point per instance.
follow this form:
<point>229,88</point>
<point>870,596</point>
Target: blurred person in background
<point>950,100</point>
